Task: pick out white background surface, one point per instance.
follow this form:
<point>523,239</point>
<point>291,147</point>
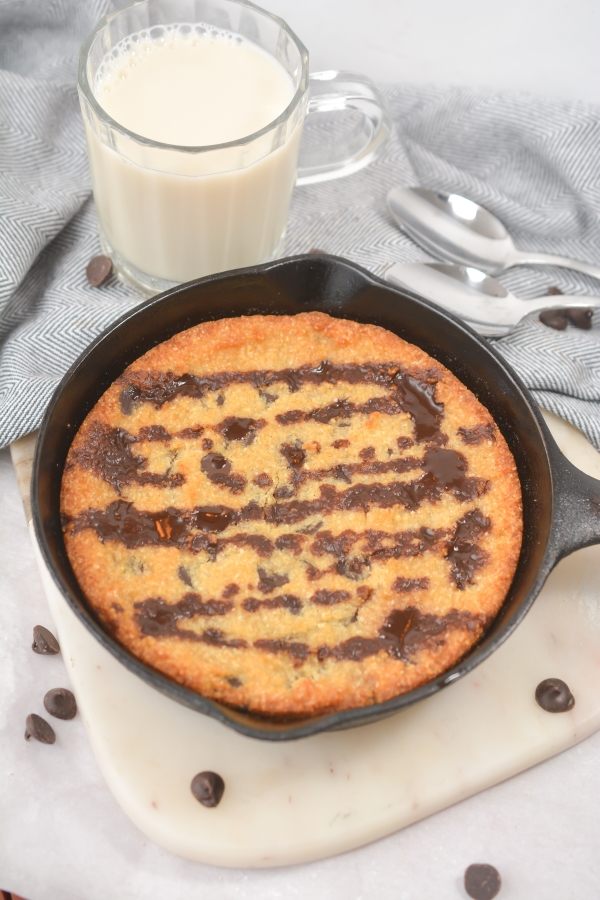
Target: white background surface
<point>540,829</point>
<point>549,47</point>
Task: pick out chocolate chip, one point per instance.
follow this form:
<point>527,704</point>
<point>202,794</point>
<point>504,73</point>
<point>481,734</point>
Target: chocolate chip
<point>580,318</point>
<point>215,464</point>
<point>207,444</point>
<point>38,728</point>
<point>482,882</point>
<point>554,318</point>
<point>98,270</point>
<point>559,318</point>
<point>44,641</point>
<point>60,702</point>
<point>184,575</point>
<point>554,696</point>
<point>208,788</point>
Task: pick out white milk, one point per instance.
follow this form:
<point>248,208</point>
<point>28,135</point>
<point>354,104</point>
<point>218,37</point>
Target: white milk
<point>177,215</point>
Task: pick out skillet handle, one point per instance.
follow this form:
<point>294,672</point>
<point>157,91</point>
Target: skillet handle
<point>577,507</point>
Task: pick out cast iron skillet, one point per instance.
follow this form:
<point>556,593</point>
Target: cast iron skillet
<point>561,505</point>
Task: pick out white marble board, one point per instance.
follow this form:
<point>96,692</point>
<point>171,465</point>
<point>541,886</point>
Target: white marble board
<point>304,800</point>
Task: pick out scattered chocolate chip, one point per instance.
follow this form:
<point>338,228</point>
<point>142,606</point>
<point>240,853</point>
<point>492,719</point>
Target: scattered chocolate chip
<point>207,444</point>
<point>60,702</point>
<point>44,641</point>
<point>208,788</point>
<point>559,318</point>
<point>234,682</point>
<point>580,318</point>
<point>482,882</point>
<point>554,318</point>
<point>262,480</point>
<point>38,728</point>
<point>554,696</point>
<point>98,269</point>
<point>553,292</point>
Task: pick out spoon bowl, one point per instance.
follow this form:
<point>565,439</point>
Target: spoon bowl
<point>482,301</point>
<point>460,231</point>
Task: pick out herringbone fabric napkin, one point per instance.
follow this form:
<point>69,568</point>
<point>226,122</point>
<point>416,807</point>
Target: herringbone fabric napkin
<point>534,162</point>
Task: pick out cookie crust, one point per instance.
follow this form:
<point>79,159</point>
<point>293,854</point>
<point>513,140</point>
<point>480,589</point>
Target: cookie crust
<point>292,514</point>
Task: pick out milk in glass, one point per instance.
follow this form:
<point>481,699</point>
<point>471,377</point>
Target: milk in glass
<point>177,214</point>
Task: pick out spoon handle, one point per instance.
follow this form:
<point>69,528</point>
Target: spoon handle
<point>546,259</point>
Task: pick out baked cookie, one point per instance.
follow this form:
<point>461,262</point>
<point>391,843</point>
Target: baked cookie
<point>292,514</point>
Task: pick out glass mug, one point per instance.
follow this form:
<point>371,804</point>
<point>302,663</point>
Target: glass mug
<point>167,213</point>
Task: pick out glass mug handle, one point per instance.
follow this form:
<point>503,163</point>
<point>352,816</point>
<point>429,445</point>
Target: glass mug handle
<point>330,92</point>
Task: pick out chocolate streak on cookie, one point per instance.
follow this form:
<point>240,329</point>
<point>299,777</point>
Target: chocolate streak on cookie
<point>157,618</point>
<point>465,556</point>
<point>107,453</point>
<point>218,470</point>
<point>346,471</point>
<point>403,634</point>
<point>298,651</point>
<point>121,521</point>
<point>414,394</point>
<point>236,429</point>
<point>283,601</point>
<point>375,547</point>
<point>478,434</point>
<point>405,585</point>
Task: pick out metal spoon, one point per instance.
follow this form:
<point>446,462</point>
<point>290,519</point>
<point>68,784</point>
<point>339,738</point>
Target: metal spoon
<point>460,231</point>
<point>471,294</point>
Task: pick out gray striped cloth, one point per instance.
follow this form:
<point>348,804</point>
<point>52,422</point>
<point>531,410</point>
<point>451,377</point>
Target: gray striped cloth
<point>534,162</point>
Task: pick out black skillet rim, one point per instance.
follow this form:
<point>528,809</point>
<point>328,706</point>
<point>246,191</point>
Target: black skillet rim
<point>254,726</point>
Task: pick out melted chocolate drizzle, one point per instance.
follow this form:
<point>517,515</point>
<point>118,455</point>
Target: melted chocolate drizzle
<point>405,585</point>
<point>154,433</point>
<point>465,556</point>
<point>478,434</point>
<point>403,634</point>
<point>293,454</point>
<point>234,428</point>
<point>414,394</point>
<point>283,601</point>
<point>156,618</point>
<point>268,581</point>
<point>328,598</point>
<point>298,651</point>
<point>346,471</point>
<point>218,470</point>
<point>107,452</point>
<point>444,470</point>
